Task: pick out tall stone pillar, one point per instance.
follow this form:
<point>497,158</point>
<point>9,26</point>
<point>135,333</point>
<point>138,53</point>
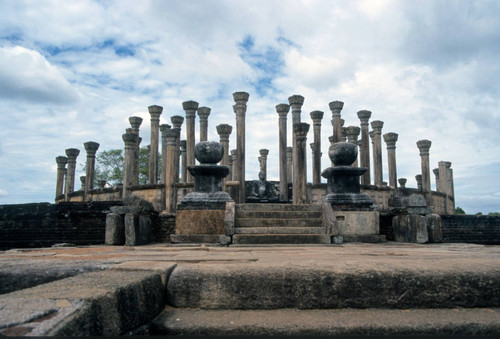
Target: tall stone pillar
<point>424,146</point>
<point>177,121</point>
<point>352,133</point>
<point>282,110</point>
<point>240,108</point>
<point>300,165</point>
<point>377,152</point>
<point>235,176</point>
<point>61,171</point>
<point>224,131</point>
<point>316,117</point>
<point>296,102</point>
<point>289,166</point>
<point>263,160</point>
<point>182,146</point>
<point>91,148</point>
<point>72,154</point>
<point>163,129</point>
<point>364,155</point>
<point>390,140</point>
<point>135,123</point>
<point>172,135</point>
<point>446,182</point>
<point>130,140</point>
<point>203,113</point>
<point>190,108</point>
<point>154,112</point>
<point>336,108</point>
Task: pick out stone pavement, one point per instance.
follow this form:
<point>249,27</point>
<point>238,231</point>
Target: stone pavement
<point>112,290</point>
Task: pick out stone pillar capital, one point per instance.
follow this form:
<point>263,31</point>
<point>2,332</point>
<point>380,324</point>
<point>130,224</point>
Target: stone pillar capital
<point>447,164</point>
<point>402,182</point>
<point>164,128</point>
<point>155,111</point>
<point>316,117</point>
<point>371,134</point>
<point>135,122</point>
<point>91,147</point>
<point>377,126</point>
<point>204,112</point>
<point>234,154</point>
<point>72,153</point>
<point>190,108</point>
<point>336,107</point>
<point>296,101</point>
<point>264,152</point>
<point>61,161</point>
<point>182,145</point>
<point>172,135</point>
<point>224,131</point>
<point>390,139</point>
<point>176,121</point>
<point>300,130</point>
<point>241,98</point>
<point>344,133</point>
<point>130,139</point>
<point>282,110</point>
<point>364,116</point>
<point>424,146</point>
<point>352,133</point>
<point>436,172</point>
<point>332,140</point>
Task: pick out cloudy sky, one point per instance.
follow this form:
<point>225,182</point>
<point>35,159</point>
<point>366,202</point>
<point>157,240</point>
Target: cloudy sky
<point>74,71</point>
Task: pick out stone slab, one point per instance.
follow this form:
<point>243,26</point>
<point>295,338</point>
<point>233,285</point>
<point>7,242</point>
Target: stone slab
<point>115,230</point>
<point>357,222</point>
<point>138,229</point>
<point>281,239</point>
<point>200,222</point>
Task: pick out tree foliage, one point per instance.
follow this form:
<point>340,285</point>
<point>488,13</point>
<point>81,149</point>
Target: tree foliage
<point>459,211</point>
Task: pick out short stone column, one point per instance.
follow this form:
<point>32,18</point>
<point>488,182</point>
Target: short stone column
<point>172,136</point>
<point>130,140</point>
<point>263,160</point>
<point>436,175</point>
<point>402,182</point>
<point>135,123</point>
<point>233,191</point>
<point>101,183</point>
<point>364,154</point>
<point>240,108</point>
<point>182,146</point>
<point>190,108</point>
<point>82,181</point>
<point>300,131</point>
<point>224,131</point>
<point>91,148</point>
<point>177,121</point>
<point>332,141</point>
<point>352,134</point>
<point>418,178</point>
<point>230,166</point>
<point>72,154</point>
<point>163,129</point>
<point>282,110</point>
<point>336,108</point>
<point>446,184</point>
<point>377,152</point>
<point>61,171</point>
<point>203,113</point>
<point>316,117</point>
<point>344,133</point>
<point>424,146</point>
<point>390,140</point>
<point>289,165</point>
<point>154,112</point>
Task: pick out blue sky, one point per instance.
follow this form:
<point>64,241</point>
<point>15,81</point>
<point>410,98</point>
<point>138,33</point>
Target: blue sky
<point>73,72</point>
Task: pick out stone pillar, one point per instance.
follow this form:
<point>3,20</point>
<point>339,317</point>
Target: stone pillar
<point>82,181</point>
<point>177,121</point>
<point>72,154</point>
<point>344,133</point>
<point>390,140</point>
<point>182,146</point>
<point>316,117</point>
<point>364,155</point>
<point>230,166</point>
<point>240,108</point>
<point>402,182</point>
<point>130,140</point>
<point>61,171</point>
<point>377,152</point>
<point>418,178</point>
<point>424,146</point>
<point>224,131</point>
<point>446,182</point>
<point>296,102</point>
<point>352,133</point>
<point>154,112</point>
<point>235,177</point>
<point>332,141</point>
<point>203,113</point>
<point>436,174</point>
<point>101,183</point>
<point>263,160</point>
<point>336,108</point>
<point>300,165</point>
<point>91,148</point>
<point>135,123</point>
<point>289,165</point>
<point>172,136</point>
<point>190,108</point>
<point>163,129</point>
<point>282,110</point>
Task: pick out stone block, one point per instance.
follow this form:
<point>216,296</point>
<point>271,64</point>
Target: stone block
<point>410,228</point>
<point>200,222</point>
<point>357,222</point>
<point>434,228</point>
<point>115,230</point>
<point>137,229</point>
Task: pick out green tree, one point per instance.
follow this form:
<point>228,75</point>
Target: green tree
<point>459,211</point>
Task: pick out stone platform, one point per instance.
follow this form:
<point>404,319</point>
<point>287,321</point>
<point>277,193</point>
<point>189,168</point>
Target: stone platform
<point>355,288</point>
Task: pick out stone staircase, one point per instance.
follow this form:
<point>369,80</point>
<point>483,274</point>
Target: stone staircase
<point>279,224</point>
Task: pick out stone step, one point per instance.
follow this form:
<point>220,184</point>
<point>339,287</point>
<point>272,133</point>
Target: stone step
<point>277,207</point>
<point>280,230</point>
<point>281,239</point>
<point>277,214</point>
<point>345,322</point>
<point>271,222</point>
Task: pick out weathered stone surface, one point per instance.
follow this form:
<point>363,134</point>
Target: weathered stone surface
<point>136,201</point>
<point>434,228</point>
<point>115,230</point>
<point>357,222</point>
<point>200,222</point>
<point>138,229</point>
<point>410,228</point>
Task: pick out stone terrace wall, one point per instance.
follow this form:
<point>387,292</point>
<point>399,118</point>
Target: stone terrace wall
<point>44,224</point>
<point>471,229</point>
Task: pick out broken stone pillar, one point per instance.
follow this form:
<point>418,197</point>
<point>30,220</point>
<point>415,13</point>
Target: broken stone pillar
<point>240,108</point>
<point>224,131</point>
<point>203,113</point>
<point>418,178</point>
<point>446,183</point>
<point>154,112</point>
<point>377,152</point>
<point>172,136</point>
<point>402,182</point>
<point>115,230</point>
<point>282,110</point>
<point>424,146</point>
<point>182,146</point>
<point>130,140</point>
<point>72,154</point>
<point>299,194</point>
<point>91,148</point>
<point>316,117</point>
<point>135,123</point>
<point>61,171</point>
<point>289,165</point>
<point>177,121</point>
<point>101,183</point>
<point>190,108</point>
<point>336,108</point>
<point>436,174</point>
<point>390,140</point>
<point>138,229</point>
<point>163,129</point>
<point>364,155</point>
<point>263,160</point>
<point>352,133</point>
